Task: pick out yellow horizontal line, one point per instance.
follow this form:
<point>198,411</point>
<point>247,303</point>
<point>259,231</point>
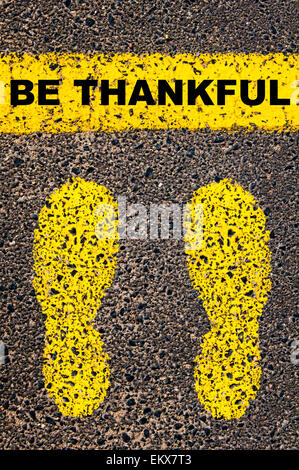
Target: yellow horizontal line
<point>129,111</point>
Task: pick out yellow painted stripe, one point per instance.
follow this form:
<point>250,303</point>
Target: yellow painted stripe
<point>73,267</point>
<point>71,116</point>
<point>231,272</point>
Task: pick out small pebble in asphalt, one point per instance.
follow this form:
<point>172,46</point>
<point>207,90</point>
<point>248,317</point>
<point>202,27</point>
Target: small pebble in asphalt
<point>3,353</point>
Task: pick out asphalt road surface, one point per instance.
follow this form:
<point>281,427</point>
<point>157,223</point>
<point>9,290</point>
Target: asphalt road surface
<point>151,319</point>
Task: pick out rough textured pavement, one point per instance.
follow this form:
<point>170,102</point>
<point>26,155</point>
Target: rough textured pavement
<point>151,319</point>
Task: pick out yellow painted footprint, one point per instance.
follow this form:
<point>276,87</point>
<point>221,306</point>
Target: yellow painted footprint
<point>230,268</point>
<point>73,266</point>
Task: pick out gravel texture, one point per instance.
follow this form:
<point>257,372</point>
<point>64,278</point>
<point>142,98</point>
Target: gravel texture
<point>151,319</point>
